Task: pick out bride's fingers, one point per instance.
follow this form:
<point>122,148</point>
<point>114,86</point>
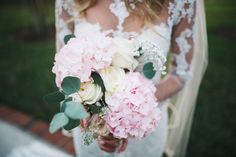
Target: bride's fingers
<point>82,123</point>
<point>123,146</point>
<point>109,137</point>
<point>113,142</point>
<point>85,122</point>
<point>106,147</point>
<point>110,143</point>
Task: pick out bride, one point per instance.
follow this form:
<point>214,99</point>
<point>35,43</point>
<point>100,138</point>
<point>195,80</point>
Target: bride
<point>178,27</point>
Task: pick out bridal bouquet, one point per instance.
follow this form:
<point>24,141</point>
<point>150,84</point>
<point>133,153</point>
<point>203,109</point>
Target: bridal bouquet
<point>98,80</point>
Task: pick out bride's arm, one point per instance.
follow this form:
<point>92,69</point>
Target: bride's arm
<point>64,26</point>
<point>182,45</point>
<point>64,20</point>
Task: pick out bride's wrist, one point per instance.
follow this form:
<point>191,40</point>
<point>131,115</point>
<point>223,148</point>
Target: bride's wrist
<point>168,87</point>
<point>159,94</point>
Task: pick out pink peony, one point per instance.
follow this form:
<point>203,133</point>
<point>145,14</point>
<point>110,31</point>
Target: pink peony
<point>82,55</point>
<point>133,110</point>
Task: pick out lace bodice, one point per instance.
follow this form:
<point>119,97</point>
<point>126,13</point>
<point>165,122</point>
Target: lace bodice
<point>175,35</point>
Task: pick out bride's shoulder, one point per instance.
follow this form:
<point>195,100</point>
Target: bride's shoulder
<point>66,2</point>
<point>181,2</point>
<point>65,5</point>
<point>179,9</point>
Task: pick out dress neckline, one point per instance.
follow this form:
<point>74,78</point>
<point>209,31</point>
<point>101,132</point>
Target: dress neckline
<point>119,9</point>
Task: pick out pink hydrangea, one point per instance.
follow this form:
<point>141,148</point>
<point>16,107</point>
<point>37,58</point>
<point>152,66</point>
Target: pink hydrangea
<point>82,55</point>
<point>133,111</point>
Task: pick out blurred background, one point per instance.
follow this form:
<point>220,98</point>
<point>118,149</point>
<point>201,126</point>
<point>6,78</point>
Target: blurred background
<point>27,49</point>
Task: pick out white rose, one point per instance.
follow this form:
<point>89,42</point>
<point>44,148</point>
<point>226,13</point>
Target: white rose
<point>125,51</point>
<point>89,93</point>
<point>113,78</point>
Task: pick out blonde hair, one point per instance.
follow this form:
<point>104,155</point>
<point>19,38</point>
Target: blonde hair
<point>147,10</point>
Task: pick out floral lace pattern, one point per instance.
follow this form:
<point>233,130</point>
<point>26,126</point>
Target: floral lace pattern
<point>175,35</point>
<point>64,10</point>
<point>181,9</point>
<point>119,10</point>
<point>184,46</point>
<point>182,13</point>
<point>178,10</point>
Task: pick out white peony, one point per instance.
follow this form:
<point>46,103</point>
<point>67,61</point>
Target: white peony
<point>89,93</point>
<point>125,51</point>
<point>113,78</point>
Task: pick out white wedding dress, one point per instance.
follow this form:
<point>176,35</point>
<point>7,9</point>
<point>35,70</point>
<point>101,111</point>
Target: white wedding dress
<point>174,34</point>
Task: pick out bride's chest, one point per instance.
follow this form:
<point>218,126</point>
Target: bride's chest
<point>113,19</point>
<point>113,15</point>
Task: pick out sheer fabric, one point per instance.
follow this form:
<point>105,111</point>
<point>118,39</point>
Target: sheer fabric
<point>181,20</point>
<point>64,13</point>
<point>174,35</point>
<point>184,102</point>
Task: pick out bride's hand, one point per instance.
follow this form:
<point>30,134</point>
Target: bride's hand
<point>110,144</point>
<point>84,123</point>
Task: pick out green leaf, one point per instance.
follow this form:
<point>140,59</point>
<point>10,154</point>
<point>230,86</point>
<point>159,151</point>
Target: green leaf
<point>98,80</point>
<point>75,110</point>
<point>58,121</point>
<point>148,70</point>
<point>72,124</point>
<point>68,37</point>
<point>94,109</point>
<point>54,98</point>
<point>140,49</point>
<point>70,85</point>
<point>63,104</point>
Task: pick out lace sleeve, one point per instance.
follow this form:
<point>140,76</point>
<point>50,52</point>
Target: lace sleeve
<point>183,16</point>
<point>182,40</point>
<point>64,13</point>
<point>64,20</point>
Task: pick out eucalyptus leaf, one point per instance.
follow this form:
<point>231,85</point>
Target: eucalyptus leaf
<point>63,104</point>
<point>95,109</point>
<point>68,37</point>
<point>58,121</point>
<point>148,70</point>
<point>75,110</point>
<point>72,124</point>
<point>54,97</point>
<point>98,80</point>
<point>70,85</point>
